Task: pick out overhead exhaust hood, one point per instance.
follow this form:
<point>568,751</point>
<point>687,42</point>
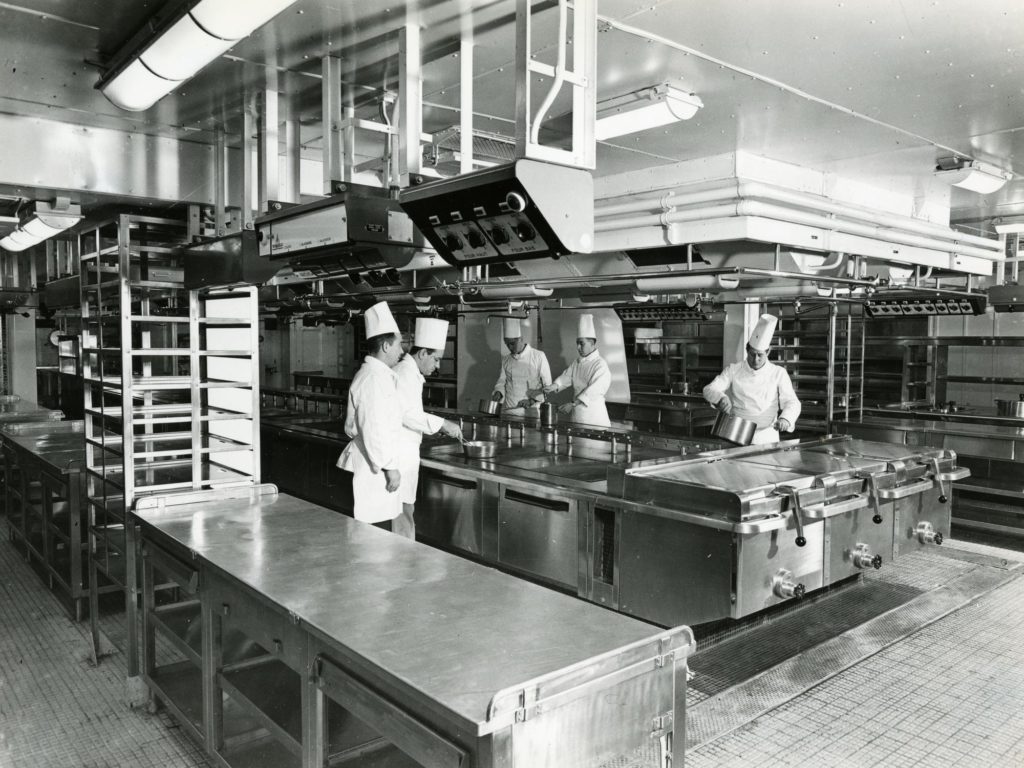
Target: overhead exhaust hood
<point>361,230</point>
<point>525,210</point>
<point>1006,298</point>
<point>230,260</point>
<point>923,302</point>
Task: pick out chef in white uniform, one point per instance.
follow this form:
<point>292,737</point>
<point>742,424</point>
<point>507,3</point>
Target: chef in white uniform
<point>589,377</point>
<point>523,369</point>
<point>374,422</point>
<point>423,359</point>
<point>756,389</point>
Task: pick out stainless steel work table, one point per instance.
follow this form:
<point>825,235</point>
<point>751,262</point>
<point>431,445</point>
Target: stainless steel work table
<point>454,647</point>
<point>44,492</point>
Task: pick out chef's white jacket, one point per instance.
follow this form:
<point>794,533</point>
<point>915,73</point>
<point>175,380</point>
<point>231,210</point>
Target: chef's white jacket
<point>758,396</point>
<point>590,378</point>
<point>373,421</point>
<point>519,373</point>
<point>415,424</point>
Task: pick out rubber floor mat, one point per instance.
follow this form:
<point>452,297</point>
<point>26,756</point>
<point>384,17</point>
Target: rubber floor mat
<point>739,658</point>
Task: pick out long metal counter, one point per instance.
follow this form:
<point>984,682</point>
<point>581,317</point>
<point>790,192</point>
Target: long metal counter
<point>992,499</point>
<point>307,637</point>
<point>44,464</point>
<point>669,538</point>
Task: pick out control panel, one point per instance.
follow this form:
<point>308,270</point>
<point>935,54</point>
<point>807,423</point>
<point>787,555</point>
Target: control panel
<point>524,210</point>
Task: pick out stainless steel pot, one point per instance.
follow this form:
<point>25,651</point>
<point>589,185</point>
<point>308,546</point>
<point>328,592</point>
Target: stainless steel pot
<point>479,449</point>
<point>733,429</point>
<point>492,407</point>
<point>547,415</point>
<point>1012,408</point>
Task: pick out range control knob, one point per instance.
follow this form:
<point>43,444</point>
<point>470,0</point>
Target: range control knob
<point>862,558</point>
<point>785,587</point>
<point>453,242</point>
<point>475,239</point>
<point>926,534</point>
<point>525,232</point>
<point>499,235</point>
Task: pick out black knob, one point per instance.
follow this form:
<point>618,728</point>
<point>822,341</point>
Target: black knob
<point>876,562</point>
<point>525,232</point>
<point>799,591</point>
<point>943,498</point>
<point>475,239</point>
<point>453,242</point>
<point>499,236</point>
<point>938,539</point>
<point>877,519</point>
<point>801,541</point>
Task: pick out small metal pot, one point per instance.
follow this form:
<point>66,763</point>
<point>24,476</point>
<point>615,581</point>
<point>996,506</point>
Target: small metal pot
<point>733,429</point>
<point>1012,408</point>
<point>479,449</point>
<point>490,407</point>
<point>547,415</point>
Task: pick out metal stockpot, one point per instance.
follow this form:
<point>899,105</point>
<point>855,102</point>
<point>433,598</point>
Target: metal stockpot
<point>733,429</point>
<point>1011,408</point>
<point>547,415</point>
<point>492,407</point>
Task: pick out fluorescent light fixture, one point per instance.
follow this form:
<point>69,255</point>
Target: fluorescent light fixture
<point>41,220</point>
<point>183,45</point>
<point>644,109</point>
<point>1009,226</point>
<point>972,175</point>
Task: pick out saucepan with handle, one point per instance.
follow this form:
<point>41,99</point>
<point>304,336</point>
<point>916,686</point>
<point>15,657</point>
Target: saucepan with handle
<point>733,429</point>
<point>478,449</point>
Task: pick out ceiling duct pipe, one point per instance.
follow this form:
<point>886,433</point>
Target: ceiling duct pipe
<point>741,191</point>
<point>491,292</point>
<point>683,282</point>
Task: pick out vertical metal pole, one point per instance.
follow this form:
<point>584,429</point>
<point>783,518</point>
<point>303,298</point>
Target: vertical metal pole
<point>410,95</point>
<point>267,151</point>
<point>220,159</point>
<point>522,59</point>
<point>830,386</point>
<point>330,100</point>
<point>466,101</point>
<point>248,170</point>
<point>584,100</point>
<point>292,155</point>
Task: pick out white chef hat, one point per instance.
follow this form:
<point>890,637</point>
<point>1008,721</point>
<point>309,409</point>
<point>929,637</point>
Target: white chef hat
<point>431,333</point>
<point>761,338</point>
<point>379,320</point>
<point>511,328</point>
<point>586,329</point>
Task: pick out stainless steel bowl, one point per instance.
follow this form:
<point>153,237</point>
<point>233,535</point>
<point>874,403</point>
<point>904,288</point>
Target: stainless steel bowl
<point>733,429</point>
<point>1012,408</point>
<point>479,449</point>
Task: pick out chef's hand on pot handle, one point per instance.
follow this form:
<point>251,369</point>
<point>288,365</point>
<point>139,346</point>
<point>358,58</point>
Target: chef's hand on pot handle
<point>393,478</point>
<point>497,397</point>
<point>782,425</point>
<point>566,408</point>
<point>524,403</point>
<point>451,429</point>
<point>724,405</point>
<point>535,394</point>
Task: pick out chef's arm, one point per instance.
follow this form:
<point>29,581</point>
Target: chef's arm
<point>563,381</point>
<point>714,392</point>
<point>788,402</point>
<point>414,417</point>
<point>499,385</point>
<point>545,377</point>
<point>596,388</point>
<point>372,420</point>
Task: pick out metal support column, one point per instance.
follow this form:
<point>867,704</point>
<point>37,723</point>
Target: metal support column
<point>410,105</point>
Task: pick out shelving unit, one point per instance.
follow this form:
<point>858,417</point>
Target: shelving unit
<point>665,356</point>
<point>171,386</point>
<point>823,351</point>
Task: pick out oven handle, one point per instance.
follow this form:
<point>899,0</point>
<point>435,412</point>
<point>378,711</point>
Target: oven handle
<point>903,491</point>
<point>822,511</point>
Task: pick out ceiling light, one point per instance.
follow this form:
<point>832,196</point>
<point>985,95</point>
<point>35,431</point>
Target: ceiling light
<point>1009,226</point>
<point>644,109</point>
<point>183,44</point>
<point>41,220</point>
<point>971,174</point>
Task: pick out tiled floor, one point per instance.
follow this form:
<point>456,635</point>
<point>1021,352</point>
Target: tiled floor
<point>952,693</point>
